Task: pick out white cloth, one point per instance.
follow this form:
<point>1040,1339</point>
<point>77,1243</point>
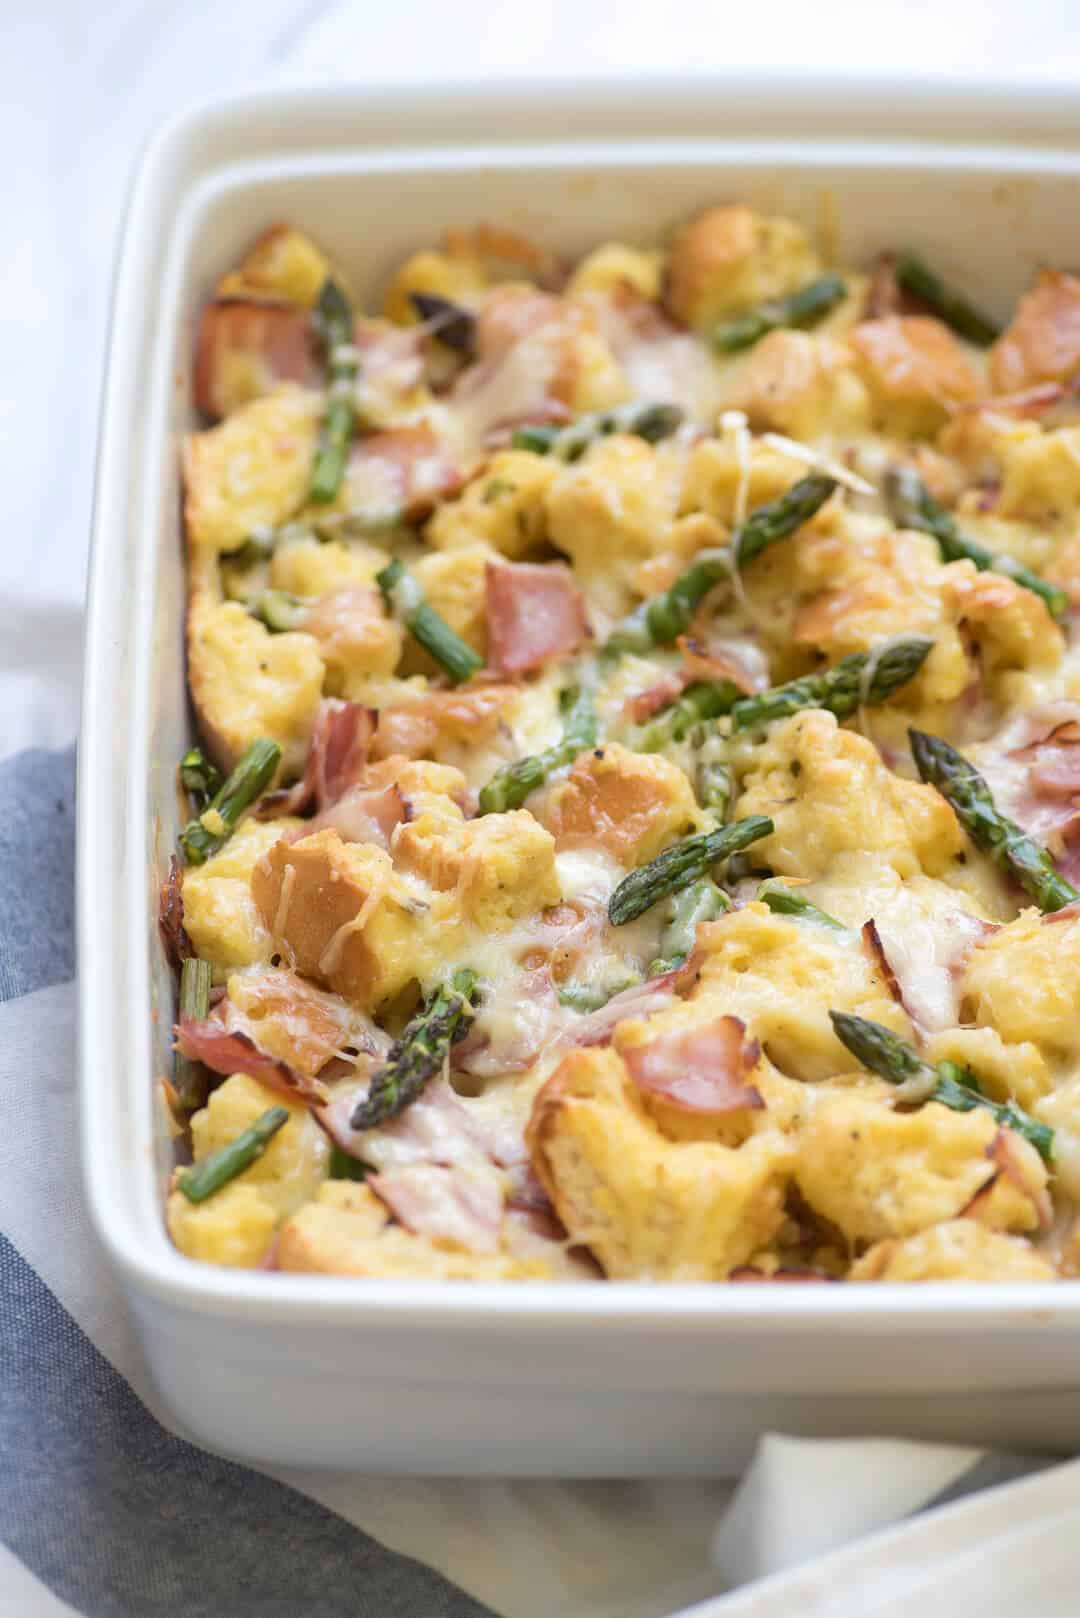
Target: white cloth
<point>80,90</point>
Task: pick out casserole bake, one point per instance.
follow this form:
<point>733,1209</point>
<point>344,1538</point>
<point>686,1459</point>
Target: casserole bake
<point>524,1362</point>
<point>567,641</point>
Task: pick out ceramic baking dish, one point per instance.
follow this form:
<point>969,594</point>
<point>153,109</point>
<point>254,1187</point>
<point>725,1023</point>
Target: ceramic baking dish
<point>528,1378</point>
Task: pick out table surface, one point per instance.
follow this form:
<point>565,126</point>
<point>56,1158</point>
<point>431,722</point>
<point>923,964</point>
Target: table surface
<point>81,88</point>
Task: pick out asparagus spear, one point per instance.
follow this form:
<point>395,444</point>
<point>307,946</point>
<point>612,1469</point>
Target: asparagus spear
<point>202,837</point>
<point>787,902</point>
<point>1007,844</point>
<point>913,506</point>
<point>510,786</point>
<point>805,307</point>
<point>684,862</point>
<point>579,997</point>
<point>712,773</point>
<point>420,1052</point>
<point>334,319</point>
<point>215,1171</point>
<point>862,678</point>
<point>880,1050</point>
<point>701,901</point>
<point>190,1079</point>
<point>706,699</point>
<point>344,1167</point>
<point>199,778</point>
<point>406,601</point>
<point>950,306</point>
<point>649,421</point>
<point>662,619</point>
<point>279,610</point>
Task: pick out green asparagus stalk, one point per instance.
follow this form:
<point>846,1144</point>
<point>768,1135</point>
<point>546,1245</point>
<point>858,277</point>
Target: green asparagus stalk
<point>580,997</point>
<point>191,1082</point>
<point>864,678</point>
<point>342,1166</point>
<point>1007,844</point>
<point>202,837</point>
<point>259,546</point>
<point>702,901</point>
<point>199,778</point>
<point>215,1171</point>
<point>279,610</point>
<point>706,699</point>
<point>787,902</point>
<point>680,865</point>
<point>649,421</point>
<point>913,506</point>
<point>420,1052</point>
<point>781,517</point>
<point>950,306</point>
<point>805,307</point>
<point>334,320</point>
<point>884,1053</point>
<point>712,773</point>
<point>406,601</point>
<point>666,616</point>
<point>510,786</point>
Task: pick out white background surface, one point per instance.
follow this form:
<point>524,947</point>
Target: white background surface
<point>82,85</point>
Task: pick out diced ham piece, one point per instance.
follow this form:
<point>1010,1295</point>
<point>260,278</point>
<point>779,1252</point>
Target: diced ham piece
<point>740,661</point>
<point>701,1069</point>
<point>336,756</point>
<point>639,1001</point>
<point>534,613</point>
<point>229,1051</point>
<point>404,469</point>
<point>876,950</point>
<point>437,1128</point>
<point>463,1206</point>
<point>361,815</point>
<point>246,348</point>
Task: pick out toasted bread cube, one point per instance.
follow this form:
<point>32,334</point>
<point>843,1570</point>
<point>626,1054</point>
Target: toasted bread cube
<point>252,470</point>
<point>283,263</point>
<point>334,908</point>
<point>729,258</point>
<point>1024,981</point>
<point>1043,341</point>
<point>458,278</point>
<point>220,916</point>
<point>801,384</point>
<point>455,584</point>
<point>649,1207</point>
<point>631,805</point>
<point>877,1173</point>
<point>346,1230</point>
<point>247,683</point>
<point>916,370</point>
<point>503,507</point>
<point>499,867</point>
<point>235,1225</point>
<point>829,792</point>
<point>615,267</point>
<point>781,977</point>
<point>613,510</point>
<point>959,1250</point>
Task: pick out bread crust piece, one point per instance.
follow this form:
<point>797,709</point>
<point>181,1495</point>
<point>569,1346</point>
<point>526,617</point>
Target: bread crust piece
<point>726,259</point>
<point>346,1230</point>
<point>876,1173</point>
<point>916,370</point>
<point>631,805</point>
<point>649,1207</point>
<point>959,1250</point>
<point>1043,341</point>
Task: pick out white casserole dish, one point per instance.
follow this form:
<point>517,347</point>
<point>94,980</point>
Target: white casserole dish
<point>517,1378</point>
